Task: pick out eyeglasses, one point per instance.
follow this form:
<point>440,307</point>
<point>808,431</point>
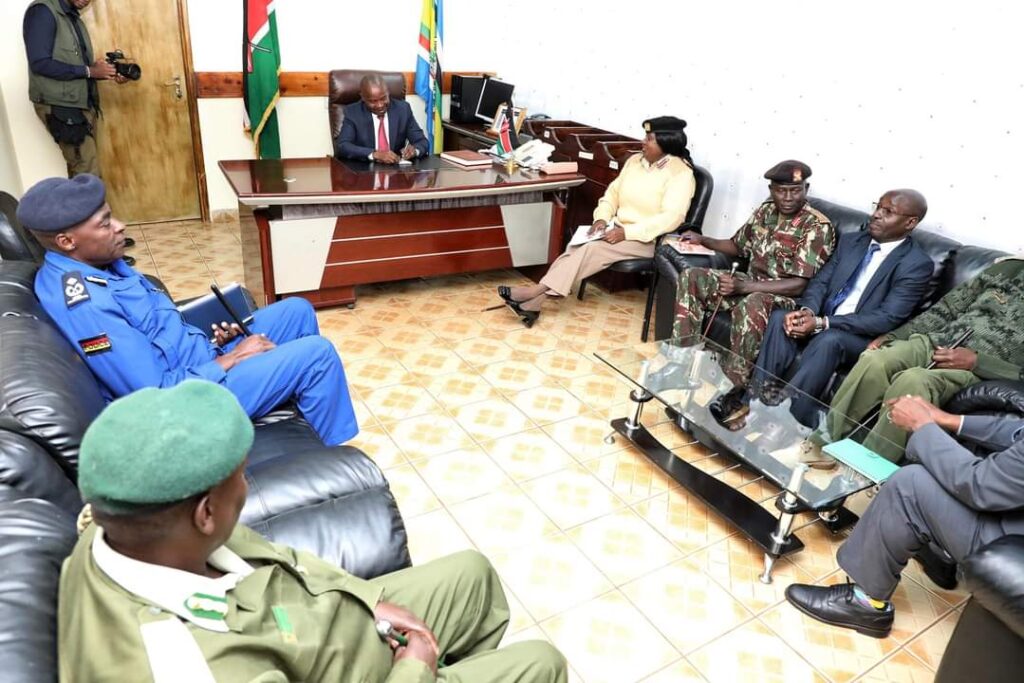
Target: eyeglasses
<point>888,212</point>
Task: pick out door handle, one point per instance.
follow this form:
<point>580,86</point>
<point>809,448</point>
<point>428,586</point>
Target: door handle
<point>176,82</point>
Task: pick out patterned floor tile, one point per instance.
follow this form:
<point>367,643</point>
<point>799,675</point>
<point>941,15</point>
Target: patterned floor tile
<point>400,401</point>
<point>597,390</point>
<point>684,604</point>
<point>455,329</point>
<point>609,641</point>
<point>916,610</point>
<point>571,496</point>
<point>355,347</point>
<point>623,546</point>
<point>428,435</point>
<point>736,564</point>
<point>929,646</point>
<point>481,351</point>
<point>504,519</point>
<point>385,316</point>
<point>375,442</point>
<point>412,494</point>
<point>684,520</point>
<point>631,475</point>
<point>564,364</point>
<point>491,419</point>
<point>459,389</point>
<point>549,575</point>
<point>901,667</point>
<point>426,363</point>
<point>372,373</point>
<point>545,405</point>
<point>528,455</point>
<point>584,437</point>
<point>461,475</point>
<point>512,376</point>
<point>434,535</point>
<point>405,337</point>
<point>679,672</point>
<point>752,653</point>
<point>530,341</point>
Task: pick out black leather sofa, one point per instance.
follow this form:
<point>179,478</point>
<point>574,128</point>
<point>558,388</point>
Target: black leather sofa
<point>334,502</point>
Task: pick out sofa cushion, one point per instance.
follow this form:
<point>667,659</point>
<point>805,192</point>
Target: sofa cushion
<point>994,576</point>
<point>35,537</point>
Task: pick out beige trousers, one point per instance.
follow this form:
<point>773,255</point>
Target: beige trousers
<point>579,263</point>
<point>81,159</point>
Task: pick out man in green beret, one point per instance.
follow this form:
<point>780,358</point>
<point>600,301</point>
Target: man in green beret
<point>165,586</point>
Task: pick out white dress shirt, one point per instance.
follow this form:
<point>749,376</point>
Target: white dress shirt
<point>850,305</point>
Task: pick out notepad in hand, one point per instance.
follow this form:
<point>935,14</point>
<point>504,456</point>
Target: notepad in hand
<point>861,459</point>
<point>206,311</point>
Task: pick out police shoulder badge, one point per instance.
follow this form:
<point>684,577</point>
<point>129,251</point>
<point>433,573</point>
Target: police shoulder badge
<point>93,345</point>
<point>74,288</point>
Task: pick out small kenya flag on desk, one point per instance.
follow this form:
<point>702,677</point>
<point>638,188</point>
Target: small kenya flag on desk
<point>261,64</point>
<point>507,138</point>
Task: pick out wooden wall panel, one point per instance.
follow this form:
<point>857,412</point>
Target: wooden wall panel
<point>211,84</point>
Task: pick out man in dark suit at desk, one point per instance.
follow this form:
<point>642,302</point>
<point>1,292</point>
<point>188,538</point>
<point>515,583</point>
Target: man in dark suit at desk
<point>870,286</point>
<point>378,128</point>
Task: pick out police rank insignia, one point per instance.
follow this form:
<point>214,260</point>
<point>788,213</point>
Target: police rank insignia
<point>93,345</point>
<point>74,289</point>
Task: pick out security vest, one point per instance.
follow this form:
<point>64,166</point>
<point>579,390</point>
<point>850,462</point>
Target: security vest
<point>73,93</point>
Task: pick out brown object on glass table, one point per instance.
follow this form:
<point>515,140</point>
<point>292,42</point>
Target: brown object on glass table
<point>771,446</point>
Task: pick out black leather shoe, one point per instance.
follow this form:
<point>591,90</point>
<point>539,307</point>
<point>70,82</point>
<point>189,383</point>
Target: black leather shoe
<point>729,407</point>
<point>837,605</point>
<point>941,571</point>
<point>129,243</point>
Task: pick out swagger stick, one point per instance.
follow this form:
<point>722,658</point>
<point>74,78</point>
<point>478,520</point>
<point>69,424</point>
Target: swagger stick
<point>711,320</point>
<point>957,343</point>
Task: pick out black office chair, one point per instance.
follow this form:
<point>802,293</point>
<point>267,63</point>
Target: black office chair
<point>704,186</point>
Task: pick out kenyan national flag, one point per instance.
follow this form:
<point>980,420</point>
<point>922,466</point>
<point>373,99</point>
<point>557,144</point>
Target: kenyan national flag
<point>261,64</point>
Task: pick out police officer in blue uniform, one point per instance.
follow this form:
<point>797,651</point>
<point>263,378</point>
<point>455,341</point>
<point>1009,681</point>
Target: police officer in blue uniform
<point>131,335</point>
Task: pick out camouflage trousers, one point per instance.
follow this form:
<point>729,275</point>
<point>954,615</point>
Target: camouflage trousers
<point>697,295</point>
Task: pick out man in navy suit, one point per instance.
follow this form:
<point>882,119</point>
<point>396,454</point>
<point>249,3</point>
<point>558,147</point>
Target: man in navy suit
<point>378,128</point>
<point>872,284</point>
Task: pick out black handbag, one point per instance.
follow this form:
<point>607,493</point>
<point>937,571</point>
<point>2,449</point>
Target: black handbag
<point>68,125</point>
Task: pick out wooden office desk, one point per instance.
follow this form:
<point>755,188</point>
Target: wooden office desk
<point>319,227</point>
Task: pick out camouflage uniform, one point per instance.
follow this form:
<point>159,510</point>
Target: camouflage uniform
<point>796,248</point>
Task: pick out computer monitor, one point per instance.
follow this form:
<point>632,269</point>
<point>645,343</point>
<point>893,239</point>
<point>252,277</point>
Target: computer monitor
<point>492,95</point>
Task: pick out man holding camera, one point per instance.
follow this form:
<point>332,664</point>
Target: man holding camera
<point>62,74</point>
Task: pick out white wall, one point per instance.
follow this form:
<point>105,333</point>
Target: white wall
<point>10,177</point>
<point>872,94</point>
<point>34,155</point>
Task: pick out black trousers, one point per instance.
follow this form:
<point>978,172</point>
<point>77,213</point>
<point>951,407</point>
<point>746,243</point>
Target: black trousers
<point>910,511</point>
<point>824,353</point>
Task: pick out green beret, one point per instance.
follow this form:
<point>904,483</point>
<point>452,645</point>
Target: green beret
<point>161,446</point>
<point>56,204</point>
<point>789,172</point>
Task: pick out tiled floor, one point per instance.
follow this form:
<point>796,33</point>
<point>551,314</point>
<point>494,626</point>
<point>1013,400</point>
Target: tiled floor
<point>492,437</point>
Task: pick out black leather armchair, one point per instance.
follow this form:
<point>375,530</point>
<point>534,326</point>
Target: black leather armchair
<point>332,501</point>
<point>704,186</point>
<point>988,642</point>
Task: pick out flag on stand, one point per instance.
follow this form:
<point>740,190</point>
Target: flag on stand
<point>261,64</point>
<point>508,140</point>
<point>428,68</point>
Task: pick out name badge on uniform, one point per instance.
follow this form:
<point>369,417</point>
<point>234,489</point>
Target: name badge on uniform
<point>74,288</point>
<point>206,606</point>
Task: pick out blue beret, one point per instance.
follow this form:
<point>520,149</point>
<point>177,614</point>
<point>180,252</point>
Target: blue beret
<point>161,446</point>
<point>56,204</point>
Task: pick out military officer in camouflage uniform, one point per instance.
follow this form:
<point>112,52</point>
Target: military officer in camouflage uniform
<point>786,241</point>
<point>165,586</point>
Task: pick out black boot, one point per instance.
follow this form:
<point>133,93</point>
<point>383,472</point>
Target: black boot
<point>730,407</point>
<point>838,606</point>
<point>940,570</point>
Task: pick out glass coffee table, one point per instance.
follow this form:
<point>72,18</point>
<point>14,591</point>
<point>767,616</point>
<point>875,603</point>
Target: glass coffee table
<point>778,436</point>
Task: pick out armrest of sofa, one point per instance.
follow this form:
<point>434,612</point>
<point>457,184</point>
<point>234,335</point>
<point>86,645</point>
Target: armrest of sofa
<point>27,467</point>
<point>35,537</point>
<point>995,577</point>
<point>992,396</point>
<point>671,262</point>
<point>333,502</point>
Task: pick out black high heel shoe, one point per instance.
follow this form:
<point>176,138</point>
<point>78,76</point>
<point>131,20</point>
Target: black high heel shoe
<point>505,292</point>
<point>528,317</point>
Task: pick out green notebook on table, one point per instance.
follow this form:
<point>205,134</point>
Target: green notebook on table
<point>865,461</point>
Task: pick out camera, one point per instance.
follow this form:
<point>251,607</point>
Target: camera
<point>129,70</point>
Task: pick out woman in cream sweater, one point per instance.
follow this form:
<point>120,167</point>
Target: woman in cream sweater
<point>649,198</point>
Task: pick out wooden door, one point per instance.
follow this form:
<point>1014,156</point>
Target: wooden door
<point>145,138</point>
